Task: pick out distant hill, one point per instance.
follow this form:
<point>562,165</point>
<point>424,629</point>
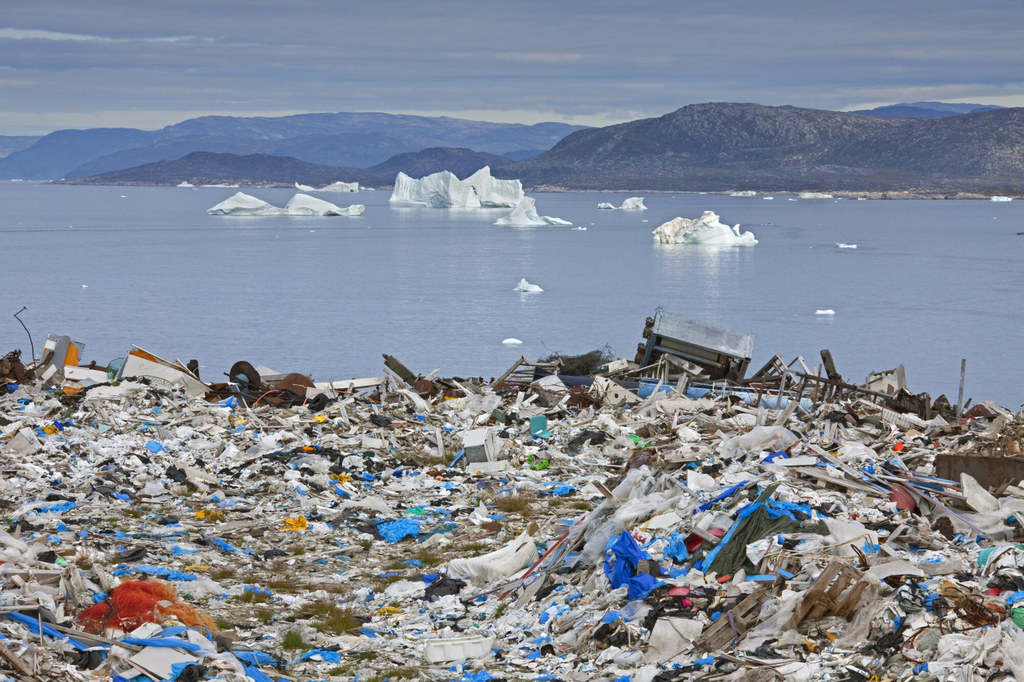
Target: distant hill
<point>15,143</point>
<point>926,110</point>
<point>701,147</point>
<point>721,146</point>
<point>209,168</point>
<point>342,139</point>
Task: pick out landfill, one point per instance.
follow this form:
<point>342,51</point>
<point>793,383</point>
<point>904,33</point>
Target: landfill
<point>608,524</point>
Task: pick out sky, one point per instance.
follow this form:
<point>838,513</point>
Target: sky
<point>148,63</point>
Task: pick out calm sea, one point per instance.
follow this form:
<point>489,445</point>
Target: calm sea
<point>929,283</point>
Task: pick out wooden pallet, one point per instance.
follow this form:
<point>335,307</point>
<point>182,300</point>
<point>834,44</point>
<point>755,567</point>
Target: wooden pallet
<point>829,596</point>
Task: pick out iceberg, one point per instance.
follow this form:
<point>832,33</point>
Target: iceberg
<point>815,195</point>
<point>525,215</point>
<point>341,187</point>
<point>630,204</point>
<point>1001,198</point>
<point>241,203</point>
<point>304,188</point>
<point>744,193</point>
<point>303,204</point>
<point>707,230</point>
<point>299,205</point>
<point>185,183</point>
<point>825,311</point>
<point>841,245</point>
<point>445,190</point>
<point>526,287</point>
<point>512,341</point>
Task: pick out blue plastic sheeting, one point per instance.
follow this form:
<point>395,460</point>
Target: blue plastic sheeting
<point>163,642</point>
<point>158,571</point>
<point>326,656</point>
<point>33,626</point>
<point>728,492</point>
<point>56,507</point>
<point>481,676</point>
<point>256,674</point>
<point>642,585</point>
<point>393,531</point>
<point>254,657</point>
<point>227,547</point>
<point>676,548</point>
<point>627,555</point>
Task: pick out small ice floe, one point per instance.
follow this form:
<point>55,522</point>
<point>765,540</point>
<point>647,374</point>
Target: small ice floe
<point>526,287</point>
<point>512,341</point>
<point>827,311</point>
<point>580,228</point>
<point>1001,198</point>
<point>841,245</point>
<point>85,286</point>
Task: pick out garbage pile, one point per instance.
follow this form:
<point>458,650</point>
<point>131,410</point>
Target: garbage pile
<point>410,527</point>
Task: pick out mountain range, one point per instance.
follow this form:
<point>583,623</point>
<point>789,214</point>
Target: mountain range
<point>702,147</point>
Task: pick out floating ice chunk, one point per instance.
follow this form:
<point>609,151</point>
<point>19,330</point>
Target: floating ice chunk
<point>526,287</point>
<point>815,195</point>
<point>445,190</point>
<point>1001,198</point>
<point>303,204</point>
<point>304,188</point>
<point>512,341</point>
<point>241,203</point>
<point>525,215</point>
<point>827,311</point>
<point>630,204</point>
<point>706,230</point>
<point>341,187</point>
<point>744,193</point>
<point>298,205</point>
<point>185,183</point>
<point>841,245</point>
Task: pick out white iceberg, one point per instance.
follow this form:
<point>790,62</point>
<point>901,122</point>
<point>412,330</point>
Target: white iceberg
<point>303,204</point>
<point>525,215</point>
<point>630,204</point>
<point>744,193</point>
<point>707,230</point>
<point>299,205</point>
<point>186,184</point>
<point>241,203</point>
<point>526,287</point>
<point>1001,198</point>
<point>815,195</point>
<point>304,188</point>
<point>841,245</point>
<point>512,341</point>
<point>445,190</point>
<point>827,311</point>
<point>341,187</point>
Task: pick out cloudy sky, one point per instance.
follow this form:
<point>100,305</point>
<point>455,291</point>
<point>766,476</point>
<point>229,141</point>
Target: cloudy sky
<point>149,63</point>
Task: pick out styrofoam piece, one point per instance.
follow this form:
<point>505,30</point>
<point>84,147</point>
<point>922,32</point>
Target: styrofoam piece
<point>457,648</point>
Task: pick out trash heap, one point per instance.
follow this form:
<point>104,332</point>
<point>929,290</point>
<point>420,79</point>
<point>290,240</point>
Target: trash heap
<point>456,529</point>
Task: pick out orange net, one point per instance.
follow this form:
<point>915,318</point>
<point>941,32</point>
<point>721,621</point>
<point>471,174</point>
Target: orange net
<point>135,602</point>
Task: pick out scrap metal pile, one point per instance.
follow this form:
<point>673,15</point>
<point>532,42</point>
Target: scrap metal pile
<point>156,527</point>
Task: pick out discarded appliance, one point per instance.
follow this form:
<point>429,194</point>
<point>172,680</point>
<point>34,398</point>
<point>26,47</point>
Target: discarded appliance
<point>481,445</point>
<point>720,352</point>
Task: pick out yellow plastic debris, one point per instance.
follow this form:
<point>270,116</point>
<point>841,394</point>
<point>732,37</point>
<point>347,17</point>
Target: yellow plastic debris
<point>296,524</point>
<point>388,611</point>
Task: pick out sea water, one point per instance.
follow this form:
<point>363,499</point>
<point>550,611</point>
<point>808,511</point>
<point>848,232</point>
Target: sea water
<point>930,282</point>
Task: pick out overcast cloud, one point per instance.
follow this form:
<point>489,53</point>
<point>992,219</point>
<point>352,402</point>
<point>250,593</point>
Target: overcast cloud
<point>146,64</point>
